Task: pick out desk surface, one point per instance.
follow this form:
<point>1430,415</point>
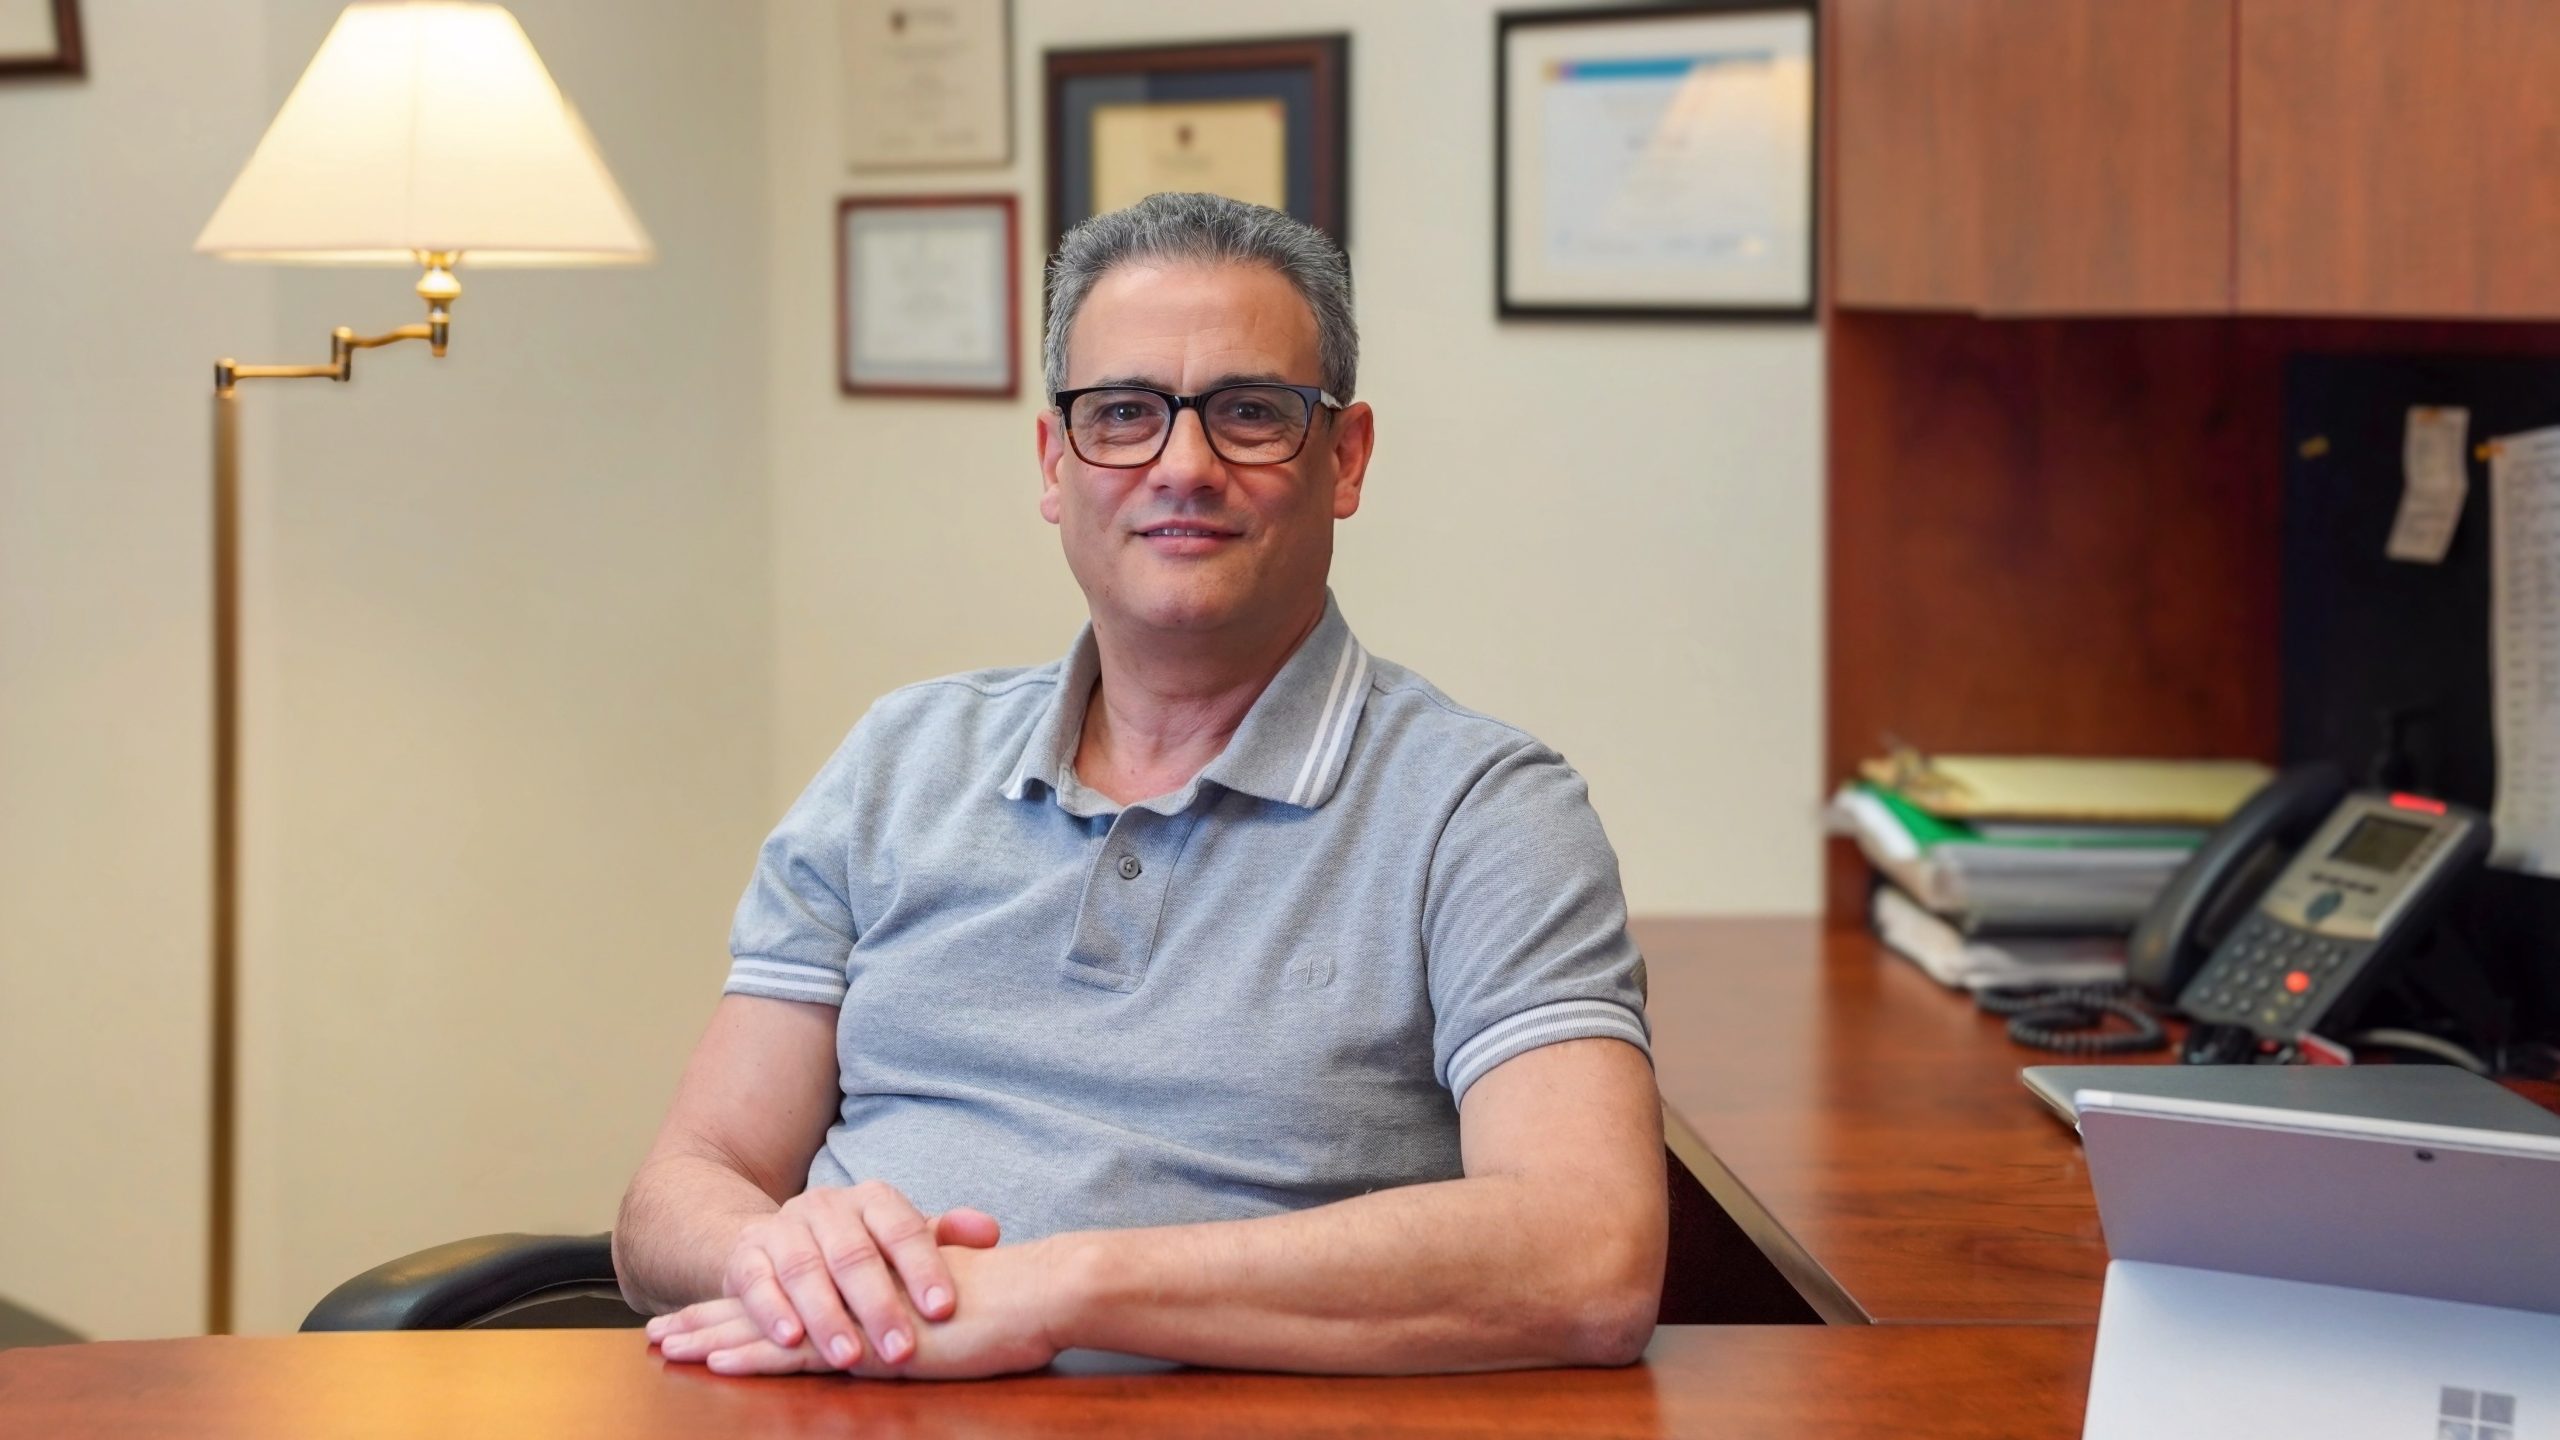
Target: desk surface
<point>1867,1128</point>
<point>1806,1380</point>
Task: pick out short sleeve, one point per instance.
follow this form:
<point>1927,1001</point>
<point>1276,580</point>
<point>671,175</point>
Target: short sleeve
<point>794,930</point>
<point>1525,924</point>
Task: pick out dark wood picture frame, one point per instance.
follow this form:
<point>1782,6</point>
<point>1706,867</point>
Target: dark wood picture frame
<point>845,380</point>
<point>66,59</point>
<point>1510,21</point>
<point>1320,139</point>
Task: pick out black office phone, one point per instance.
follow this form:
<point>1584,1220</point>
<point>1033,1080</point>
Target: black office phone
<point>2362,892</point>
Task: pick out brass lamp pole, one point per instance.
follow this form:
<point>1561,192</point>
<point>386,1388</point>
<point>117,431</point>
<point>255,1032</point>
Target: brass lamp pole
<point>439,289</point>
<point>422,130</point>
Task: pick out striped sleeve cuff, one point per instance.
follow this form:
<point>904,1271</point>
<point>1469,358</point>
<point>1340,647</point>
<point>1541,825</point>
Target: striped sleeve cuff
<point>784,980</point>
<point>1543,1025</point>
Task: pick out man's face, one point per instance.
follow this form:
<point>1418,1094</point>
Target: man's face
<point>1254,542</point>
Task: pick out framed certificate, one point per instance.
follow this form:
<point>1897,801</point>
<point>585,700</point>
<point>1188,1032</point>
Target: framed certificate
<point>927,83</point>
<point>1262,121</point>
<point>1656,161</point>
<point>928,298</point>
<point>40,37</point>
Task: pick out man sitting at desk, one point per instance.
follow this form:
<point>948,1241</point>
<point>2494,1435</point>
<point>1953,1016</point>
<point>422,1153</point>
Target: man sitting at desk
<point>1284,1010</point>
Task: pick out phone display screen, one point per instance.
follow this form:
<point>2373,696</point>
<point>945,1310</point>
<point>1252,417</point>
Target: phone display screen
<point>2378,844</point>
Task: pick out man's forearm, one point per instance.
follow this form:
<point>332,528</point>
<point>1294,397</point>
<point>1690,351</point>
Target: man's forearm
<point>680,1219</point>
<point>1484,1273</point>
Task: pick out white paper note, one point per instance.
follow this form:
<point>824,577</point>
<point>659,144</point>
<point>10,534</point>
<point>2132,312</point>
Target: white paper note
<point>936,293</point>
<point>2434,482</point>
<point>2524,620</point>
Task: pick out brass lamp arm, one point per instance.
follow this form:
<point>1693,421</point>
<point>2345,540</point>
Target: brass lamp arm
<point>437,287</point>
<point>343,345</point>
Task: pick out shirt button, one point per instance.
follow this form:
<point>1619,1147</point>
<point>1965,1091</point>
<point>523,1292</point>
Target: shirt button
<point>1129,867</point>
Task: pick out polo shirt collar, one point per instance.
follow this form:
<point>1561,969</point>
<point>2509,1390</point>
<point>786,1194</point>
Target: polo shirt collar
<point>1291,749</point>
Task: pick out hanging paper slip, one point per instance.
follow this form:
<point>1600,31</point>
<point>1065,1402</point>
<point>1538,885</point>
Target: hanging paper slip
<point>2434,482</point>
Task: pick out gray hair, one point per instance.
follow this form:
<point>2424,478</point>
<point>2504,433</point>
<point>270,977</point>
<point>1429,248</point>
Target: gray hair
<point>1206,230</point>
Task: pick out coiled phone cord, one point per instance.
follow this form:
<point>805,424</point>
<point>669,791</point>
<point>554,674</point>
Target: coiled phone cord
<point>2072,1020</point>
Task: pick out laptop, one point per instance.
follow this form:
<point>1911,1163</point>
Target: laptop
<point>2422,1094</point>
<point>2289,1272</point>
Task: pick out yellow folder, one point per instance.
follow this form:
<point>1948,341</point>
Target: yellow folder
<point>2070,791</point>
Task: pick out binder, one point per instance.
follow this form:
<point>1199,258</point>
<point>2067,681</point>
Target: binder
<point>2069,791</point>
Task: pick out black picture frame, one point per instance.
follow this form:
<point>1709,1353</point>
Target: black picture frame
<point>66,59</point>
<point>1310,75</point>
<point>1507,24</point>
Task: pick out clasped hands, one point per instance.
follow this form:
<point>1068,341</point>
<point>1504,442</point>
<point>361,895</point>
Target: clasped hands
<point>858,1280</point>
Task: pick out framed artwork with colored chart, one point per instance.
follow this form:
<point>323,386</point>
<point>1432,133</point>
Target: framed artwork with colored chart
<point>1656,162</point>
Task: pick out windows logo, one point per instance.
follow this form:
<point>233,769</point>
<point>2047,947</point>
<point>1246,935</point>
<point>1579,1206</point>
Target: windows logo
<point>2474,1415</point>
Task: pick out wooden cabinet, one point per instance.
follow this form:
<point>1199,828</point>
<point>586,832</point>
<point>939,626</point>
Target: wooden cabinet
<point>2399,157</point>
<point>1907,152</point>
<point>2033,156</point>
<point>2107,156</point>
<point>2163,157</point>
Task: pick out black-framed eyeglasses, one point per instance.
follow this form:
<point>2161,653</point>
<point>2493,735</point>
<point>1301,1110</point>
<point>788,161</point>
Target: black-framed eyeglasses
<point>1121,427</point>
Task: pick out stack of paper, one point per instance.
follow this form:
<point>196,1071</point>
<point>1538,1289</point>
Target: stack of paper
<point>2028,871</point>
<point>2023,962</point>
<point>2015,877</point>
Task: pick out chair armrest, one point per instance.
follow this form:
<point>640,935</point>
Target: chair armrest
<point>467,1282</point>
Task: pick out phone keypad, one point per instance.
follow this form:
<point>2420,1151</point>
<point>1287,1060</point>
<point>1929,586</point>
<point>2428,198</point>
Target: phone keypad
<point>2271,977</point>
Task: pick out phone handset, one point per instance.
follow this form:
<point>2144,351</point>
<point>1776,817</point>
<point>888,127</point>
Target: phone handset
<point>2197,908</point>
<point>2204,901</point>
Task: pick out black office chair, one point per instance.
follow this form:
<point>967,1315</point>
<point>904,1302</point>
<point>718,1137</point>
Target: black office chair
<point>1714,1275</point>
<point>494,1282</point>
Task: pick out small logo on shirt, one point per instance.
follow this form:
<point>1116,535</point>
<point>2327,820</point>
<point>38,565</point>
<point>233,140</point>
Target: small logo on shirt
<point>1310,972</point>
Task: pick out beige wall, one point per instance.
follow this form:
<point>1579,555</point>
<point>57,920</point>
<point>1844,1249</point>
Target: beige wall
<point>507,692</point>
<point>542,635</point>
<point>1637,582</point>
<point>108,328</point>
<point>513,694</point>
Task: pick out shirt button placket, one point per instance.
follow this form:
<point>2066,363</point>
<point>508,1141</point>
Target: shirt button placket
<point>1123,898</point>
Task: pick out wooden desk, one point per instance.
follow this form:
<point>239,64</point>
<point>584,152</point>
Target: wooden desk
<point>1867,1128</point>
<point>1804,1380</point>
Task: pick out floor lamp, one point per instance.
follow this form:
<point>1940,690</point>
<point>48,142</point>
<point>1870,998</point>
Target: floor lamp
<point>423,134</point>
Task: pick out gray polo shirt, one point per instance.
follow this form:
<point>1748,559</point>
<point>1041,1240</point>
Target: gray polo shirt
<point>1264,991</point>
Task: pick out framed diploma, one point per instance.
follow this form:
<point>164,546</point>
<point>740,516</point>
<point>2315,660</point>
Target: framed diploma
<point>927,83</point>
<point>1656,161</point>
<point>928,298</point>
<point>39,37</point>
<point>1262,121</point>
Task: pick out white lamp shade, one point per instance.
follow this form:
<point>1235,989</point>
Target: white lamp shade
<point>426,126</point>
